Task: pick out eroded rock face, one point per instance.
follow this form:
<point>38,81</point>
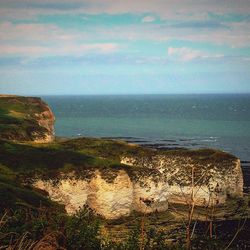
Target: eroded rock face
<point>150,197</point>
<point>70,192</point>
<point>171,178</point>
<point>111,200</point>
<point>46,120</point>
<point>213,180</point>
<point>108,199</point>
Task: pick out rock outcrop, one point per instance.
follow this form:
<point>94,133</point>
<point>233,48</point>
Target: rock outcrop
<point>108,199</point>
<point>215,176</point>
<point>25,119</point>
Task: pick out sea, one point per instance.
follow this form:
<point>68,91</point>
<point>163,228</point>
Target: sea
<point>220,121</point>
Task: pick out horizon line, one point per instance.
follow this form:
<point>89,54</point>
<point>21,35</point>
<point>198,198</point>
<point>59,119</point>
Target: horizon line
<point>128,94</point>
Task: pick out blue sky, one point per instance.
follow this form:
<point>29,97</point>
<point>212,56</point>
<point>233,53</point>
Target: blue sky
<point>124,46</point>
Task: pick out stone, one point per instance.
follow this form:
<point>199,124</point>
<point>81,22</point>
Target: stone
<point>110,200</point>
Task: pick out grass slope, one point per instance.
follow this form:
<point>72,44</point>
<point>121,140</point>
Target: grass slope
<point>17,118</point>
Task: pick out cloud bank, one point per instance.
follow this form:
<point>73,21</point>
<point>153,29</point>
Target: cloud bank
<point>131,39</point>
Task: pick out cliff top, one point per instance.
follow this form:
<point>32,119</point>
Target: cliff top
<point>20,118</point>
<point>85,155</point>
<point>114,149</point>
<point>7,95</point>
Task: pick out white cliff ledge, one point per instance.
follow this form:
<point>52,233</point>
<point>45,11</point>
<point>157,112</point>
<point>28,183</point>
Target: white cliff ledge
<point>171,181</point>
<point>110,200</point>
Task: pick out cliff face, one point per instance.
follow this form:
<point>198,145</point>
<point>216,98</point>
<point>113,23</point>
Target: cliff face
<point>215,177</point>
<point>169,179</point>
<point>25,119</point>
<point>108,199</point>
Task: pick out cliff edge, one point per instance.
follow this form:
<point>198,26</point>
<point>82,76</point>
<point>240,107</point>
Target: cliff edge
<point>113,178</point>
<point>142,180</point>
<point>25,119</point>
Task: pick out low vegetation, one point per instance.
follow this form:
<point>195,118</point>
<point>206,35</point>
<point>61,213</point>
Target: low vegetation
<point>17,120</point>
<point>41,228</point>
<point>30,219</point>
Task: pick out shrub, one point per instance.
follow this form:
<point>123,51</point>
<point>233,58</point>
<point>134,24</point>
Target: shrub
<point>82,231</point>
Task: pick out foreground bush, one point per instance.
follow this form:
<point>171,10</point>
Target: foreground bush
<point>27,228</point>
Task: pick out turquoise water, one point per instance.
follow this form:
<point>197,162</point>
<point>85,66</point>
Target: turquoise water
<point>169,121</point>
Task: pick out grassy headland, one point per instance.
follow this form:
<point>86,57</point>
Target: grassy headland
<point>19,118</point>
<point>29,218</point>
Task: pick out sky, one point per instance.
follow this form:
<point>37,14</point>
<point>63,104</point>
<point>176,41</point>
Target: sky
<point>59,47</point>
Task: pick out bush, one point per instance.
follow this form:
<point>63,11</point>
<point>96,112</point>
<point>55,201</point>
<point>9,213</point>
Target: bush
<point>82,231</point>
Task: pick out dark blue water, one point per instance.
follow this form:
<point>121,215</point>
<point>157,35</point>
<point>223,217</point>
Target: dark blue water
<point>167,121</point>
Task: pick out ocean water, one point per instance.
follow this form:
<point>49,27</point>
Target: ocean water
<point>163,121</point>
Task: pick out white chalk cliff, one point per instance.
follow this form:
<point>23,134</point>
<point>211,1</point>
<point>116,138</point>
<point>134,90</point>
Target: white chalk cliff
<point>170,181</point>
<point>110,200</point>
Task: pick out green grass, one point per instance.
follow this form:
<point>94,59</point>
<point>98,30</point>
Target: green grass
<point>20,104</point>
<point>111,149</point>
<point>17,120</point>
<point>49,160</point>
<point>114,149</point>
<point>85,155</point>
<point>5,118</point>
<point>14,195</point>
<point>202,155</point>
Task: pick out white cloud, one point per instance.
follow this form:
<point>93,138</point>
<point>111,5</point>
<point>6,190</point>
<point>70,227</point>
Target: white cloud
<point>98,47</point>
<point>167,9</point>
<point>148,19</point>
<point>35,32</point>
<point>47,39</point>
<point>76,49</point>
<point>187,54</point>
<point>234,37</point>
